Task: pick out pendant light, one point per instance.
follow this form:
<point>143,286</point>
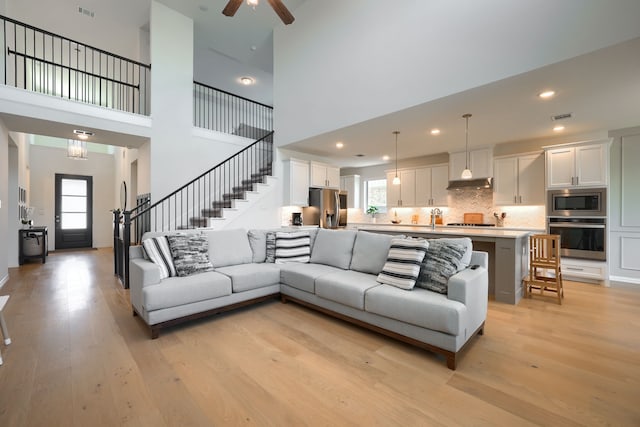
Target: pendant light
<point>466,173</point>
<point>396,180</point>
<point>76,149</point>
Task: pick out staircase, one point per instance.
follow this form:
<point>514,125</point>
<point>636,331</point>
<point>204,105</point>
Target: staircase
<point>239,197</point>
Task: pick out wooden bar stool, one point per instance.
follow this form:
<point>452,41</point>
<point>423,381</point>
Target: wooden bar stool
<point>544,265</point>
<point>3,325</point>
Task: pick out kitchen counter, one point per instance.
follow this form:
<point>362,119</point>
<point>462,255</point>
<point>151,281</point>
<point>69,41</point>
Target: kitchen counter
<point>448,230</point>
<point>509,246</point>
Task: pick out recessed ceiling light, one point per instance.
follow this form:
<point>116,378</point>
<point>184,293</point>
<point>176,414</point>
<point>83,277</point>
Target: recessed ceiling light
<point>339,145</point>
<point>385,158</point>
<point>546,94</point>
<point>558,128</point>
<point>247,81</point>
<point>435,131</point>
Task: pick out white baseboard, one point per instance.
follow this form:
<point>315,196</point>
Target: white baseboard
<point>4,280</point>
<point>623,279</point>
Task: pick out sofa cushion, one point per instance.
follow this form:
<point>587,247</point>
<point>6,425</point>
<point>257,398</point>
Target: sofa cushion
<point>158,251</point>
<point>346,287</point>
<point>270,255</point>
<point>229,247</point>
<point>303,276</point>
<point>442,261</point>
<point>245,277</point>
<point>468,249</point>
<point>418,307</point>
<point>333,247</point>
<point>175,291</point>
<point>292,246</point>
<point>370,252</point>
<point>190,253</point>
<point>403,262</point>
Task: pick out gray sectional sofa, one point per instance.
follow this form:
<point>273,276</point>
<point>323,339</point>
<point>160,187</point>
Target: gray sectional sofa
<point>340,279</point>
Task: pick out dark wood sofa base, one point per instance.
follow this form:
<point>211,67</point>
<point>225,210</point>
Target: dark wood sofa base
<point>155,329</point>
<point>449,355</point>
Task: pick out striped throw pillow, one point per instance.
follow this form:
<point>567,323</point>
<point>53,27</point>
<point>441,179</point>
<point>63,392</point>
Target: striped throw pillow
<point>403,263</point>
<point>292,247</point>
<point>157,249</point>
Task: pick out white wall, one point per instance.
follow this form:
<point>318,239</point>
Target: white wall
<point>46,162</point>
<point>112,28</point>
<point>4,200</point>
<point>376,57</point>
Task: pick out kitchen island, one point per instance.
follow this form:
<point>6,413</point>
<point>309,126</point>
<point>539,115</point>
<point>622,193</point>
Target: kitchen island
<point>507,252</point>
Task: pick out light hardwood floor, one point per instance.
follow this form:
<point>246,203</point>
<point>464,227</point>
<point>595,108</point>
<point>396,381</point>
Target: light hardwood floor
<point>79,358</point>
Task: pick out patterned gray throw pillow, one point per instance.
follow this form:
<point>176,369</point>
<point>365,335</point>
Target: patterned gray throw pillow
<point>441,262</point>
<point>190,253</point>
<point>271,247</point>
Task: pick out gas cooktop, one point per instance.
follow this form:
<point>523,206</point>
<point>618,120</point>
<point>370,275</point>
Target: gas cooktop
<point>462,224</point>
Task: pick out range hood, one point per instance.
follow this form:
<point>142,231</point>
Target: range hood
<point>471,184</point>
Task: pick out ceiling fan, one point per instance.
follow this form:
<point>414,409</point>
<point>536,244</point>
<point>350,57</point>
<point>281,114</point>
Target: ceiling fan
<point>281,10</point>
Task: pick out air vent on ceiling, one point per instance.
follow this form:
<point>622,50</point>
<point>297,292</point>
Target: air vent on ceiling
<point>562,116</point>
<point>85,12</point>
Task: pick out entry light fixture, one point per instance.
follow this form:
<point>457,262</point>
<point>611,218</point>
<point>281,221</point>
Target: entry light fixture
<point>466,173</point>
<point>247,81</point>
<point>396,179</point>
<point>76,149</point>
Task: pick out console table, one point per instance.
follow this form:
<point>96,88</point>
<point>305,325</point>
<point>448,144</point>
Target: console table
<point>39,233</point>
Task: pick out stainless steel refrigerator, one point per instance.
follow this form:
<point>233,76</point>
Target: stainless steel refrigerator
<point>327,208</point>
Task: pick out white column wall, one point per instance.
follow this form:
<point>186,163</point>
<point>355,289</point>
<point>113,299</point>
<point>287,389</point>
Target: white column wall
<point>4,200</point>
<point>171,100</point>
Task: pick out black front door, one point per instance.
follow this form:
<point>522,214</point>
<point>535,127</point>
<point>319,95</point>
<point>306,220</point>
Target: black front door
<point>74,211</point>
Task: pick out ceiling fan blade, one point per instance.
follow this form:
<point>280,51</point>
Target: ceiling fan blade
<point>282,11</point>
<point>231,8</point>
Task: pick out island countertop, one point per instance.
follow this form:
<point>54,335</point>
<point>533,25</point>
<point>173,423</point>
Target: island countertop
<point>495,232</point>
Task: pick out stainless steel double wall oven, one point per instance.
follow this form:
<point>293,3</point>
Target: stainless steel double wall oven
<point>579,216</point>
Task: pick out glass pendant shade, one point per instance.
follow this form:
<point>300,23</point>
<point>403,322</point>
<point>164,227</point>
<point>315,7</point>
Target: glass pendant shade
<point>396,179</point>
<point>466,173</point>
<point>76,149</point>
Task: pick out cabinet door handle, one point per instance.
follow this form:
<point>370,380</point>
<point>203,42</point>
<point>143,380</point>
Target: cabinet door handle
<point>574,268</point>
<point>577,180</point>
<point>515,199</point>
<point>520,199</point>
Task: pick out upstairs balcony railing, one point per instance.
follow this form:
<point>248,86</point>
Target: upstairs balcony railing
<point>43,62</point>
<point>221,111</point>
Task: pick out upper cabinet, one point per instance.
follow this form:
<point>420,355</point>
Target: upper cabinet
<point>419,187</point>
<point>296,182</point>
<point>480,163</point>
<point>403,194</point>
<point>519,180</point>
<point>431,186</point>
<point>585,165</point>
<point>323,175</point>
<point>351,184</point>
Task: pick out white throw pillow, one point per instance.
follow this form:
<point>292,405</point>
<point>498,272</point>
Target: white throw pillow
<point>157,250</point>
<point>403,263</point>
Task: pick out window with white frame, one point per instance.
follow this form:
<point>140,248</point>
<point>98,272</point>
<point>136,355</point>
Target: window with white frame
<point>377,194</point>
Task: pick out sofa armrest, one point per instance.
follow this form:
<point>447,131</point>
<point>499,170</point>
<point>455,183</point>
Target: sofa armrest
<point>471,288</point>
<point>142,273</point>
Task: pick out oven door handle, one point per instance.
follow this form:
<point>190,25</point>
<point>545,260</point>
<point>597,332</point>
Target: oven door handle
<point>575,225</point>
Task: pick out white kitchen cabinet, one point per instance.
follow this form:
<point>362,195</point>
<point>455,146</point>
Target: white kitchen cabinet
<point>323,175</point>
<point>519,180</point>
<point>351,184</point>
<point>403,194</point>
<point>296,182</point>
<point>578,165</point>
<point>431,186</point>
<point>480,163</point>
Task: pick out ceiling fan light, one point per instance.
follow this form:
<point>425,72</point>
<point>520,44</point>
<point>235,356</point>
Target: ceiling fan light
<point>466,174</point>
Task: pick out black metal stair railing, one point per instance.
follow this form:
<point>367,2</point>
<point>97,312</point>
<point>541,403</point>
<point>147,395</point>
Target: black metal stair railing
<point>47,63</point>
<point>221,111</point>
<point>195,203</point>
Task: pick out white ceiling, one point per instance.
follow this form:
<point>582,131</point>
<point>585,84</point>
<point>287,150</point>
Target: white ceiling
<point>600,89</point>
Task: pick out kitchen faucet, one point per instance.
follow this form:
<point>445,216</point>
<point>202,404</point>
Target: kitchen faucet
<point>436,212</point>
